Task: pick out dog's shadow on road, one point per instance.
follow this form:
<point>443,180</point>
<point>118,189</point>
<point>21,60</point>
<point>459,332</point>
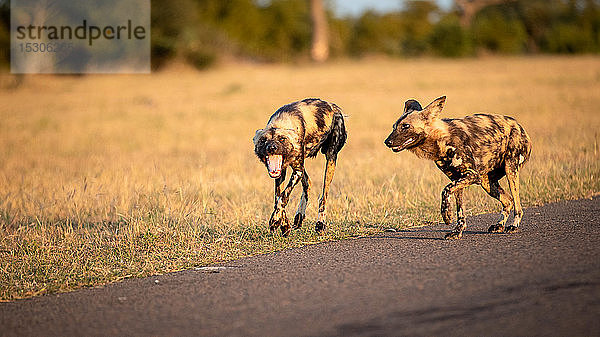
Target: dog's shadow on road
<point>423,234</point>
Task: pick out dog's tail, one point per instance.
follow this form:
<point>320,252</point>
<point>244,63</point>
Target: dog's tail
<point>337,135</point>
<point>525,148</point>
<point>519,145</point>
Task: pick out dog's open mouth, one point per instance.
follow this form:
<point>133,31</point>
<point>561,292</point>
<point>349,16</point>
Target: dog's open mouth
<point>403,146</point>
<point>274,163</point>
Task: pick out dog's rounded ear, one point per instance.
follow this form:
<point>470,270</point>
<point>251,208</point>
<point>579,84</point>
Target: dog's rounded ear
<point>434,108</point>
<point>257,135</point>
<point>412,105</point>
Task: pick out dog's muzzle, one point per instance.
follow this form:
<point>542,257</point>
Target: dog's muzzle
<point>399,148</point>
<point>271,148</point>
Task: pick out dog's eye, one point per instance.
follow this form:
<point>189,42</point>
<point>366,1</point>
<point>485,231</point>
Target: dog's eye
<point>405,126</point>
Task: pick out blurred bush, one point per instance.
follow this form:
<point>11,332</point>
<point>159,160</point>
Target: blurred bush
<point>178,31</point>
<point>498,29</point>
<point>404,33</point>
<point>448,39</point>
<point>277,30</point>
<point>560,26</point>
<point>201,32</point>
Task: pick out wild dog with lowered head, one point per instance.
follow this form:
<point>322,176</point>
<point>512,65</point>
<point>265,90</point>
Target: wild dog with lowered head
<point>477,149</point>
<point>294,132</point>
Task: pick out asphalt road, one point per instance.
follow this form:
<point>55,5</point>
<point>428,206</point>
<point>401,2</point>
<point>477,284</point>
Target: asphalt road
<point>542,280</point>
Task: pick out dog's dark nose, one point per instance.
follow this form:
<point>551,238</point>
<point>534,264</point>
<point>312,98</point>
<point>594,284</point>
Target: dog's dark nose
<point>387,142</point>
<point>271,148</point>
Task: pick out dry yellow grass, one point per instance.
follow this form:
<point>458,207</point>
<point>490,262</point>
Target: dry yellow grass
<point>108,177</point>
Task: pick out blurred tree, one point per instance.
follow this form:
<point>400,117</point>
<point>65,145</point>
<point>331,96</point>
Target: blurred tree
<point>178,32</point>
<point>449,39</point>
<point>373,33</point>
<point>417,25</point>
<point>569,33</point>
<point>561,26</point>
<point>468,9</point>
<point>404,33</point>
<point>340,34</point>
<point>498,29</point>
<point>590,19</point>
<point>319,50</point>
<point>276,30</point>
<point>289,35</point>
<point>537,16</point>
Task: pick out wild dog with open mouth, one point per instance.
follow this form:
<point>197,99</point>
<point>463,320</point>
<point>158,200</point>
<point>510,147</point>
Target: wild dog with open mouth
<point>477,149</point>
<point>294,132</point>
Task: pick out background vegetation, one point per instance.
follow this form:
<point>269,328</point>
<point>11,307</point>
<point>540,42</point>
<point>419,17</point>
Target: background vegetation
<point>202,32</point>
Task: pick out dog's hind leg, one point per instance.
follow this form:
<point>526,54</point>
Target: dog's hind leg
<point>300,213</point>
<point>493,188</point>
<point>328,177</point>
<point>455,188</point>
<point>279,218</point>
<point>512,175</point>
<point>334,143</point>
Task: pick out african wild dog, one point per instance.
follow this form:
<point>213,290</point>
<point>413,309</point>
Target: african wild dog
<point>477,149</point>
<point>294,132</point>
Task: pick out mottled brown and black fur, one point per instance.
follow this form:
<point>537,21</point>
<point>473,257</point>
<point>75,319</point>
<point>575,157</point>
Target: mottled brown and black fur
<point>478,149</point>
<point>294,132</point>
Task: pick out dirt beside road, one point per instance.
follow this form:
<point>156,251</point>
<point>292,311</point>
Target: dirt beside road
<point>542,280</point>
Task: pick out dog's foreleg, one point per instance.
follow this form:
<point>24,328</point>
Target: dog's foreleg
<point>460,214</point>
<point>300,213</point>
<point>455,188</point>
<point>279,218</point>
<point>278,181</point>
<point>328,177</point>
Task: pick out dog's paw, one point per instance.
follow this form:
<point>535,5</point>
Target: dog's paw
<point>454,235</point>
<point>320,226</point>
<point>511,229</point>
<point>277,219</point>
<point>285,230</point>
<point>497,228</point>
<point>273,223</point>
<point>298,220</point>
